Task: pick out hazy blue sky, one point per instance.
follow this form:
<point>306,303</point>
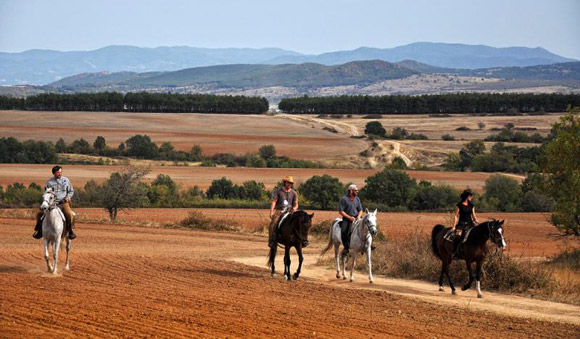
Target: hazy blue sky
<point>306,26</point>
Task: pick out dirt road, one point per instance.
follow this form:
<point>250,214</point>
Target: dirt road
<point>139,281</point>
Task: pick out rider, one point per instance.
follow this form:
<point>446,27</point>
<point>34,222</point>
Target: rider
<point>285,199</point>
<point>350,209</point>
<point>464,219</point>
<point>63,191</point>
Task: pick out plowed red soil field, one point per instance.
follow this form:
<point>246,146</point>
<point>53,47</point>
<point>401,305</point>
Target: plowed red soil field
<point>142,281</point>
<point>203,176</point>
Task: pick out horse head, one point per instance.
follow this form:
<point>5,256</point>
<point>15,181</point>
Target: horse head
<point>370,221</point>
<point>48,199</point>
<point>496,233</point>
<point>305,221</point>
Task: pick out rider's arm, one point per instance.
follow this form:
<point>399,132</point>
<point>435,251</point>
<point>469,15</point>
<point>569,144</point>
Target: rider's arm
<point>474,217</point>
<point>455,218</point>
<point>272,206</point>
<point>343,213</point>
<point>69,191</point>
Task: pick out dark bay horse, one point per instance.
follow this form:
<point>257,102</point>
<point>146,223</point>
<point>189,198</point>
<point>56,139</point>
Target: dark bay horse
<point>292,232</point>
<point>474,250</point>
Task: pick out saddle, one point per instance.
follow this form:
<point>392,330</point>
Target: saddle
<point>282,218</point>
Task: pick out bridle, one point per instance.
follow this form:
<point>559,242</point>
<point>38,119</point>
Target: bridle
<point>498,241</point>
<point>51,202</point>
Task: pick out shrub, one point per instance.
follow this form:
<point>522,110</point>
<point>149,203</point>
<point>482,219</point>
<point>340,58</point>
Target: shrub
<point>463,128</point>
<point>447,137</point>
<point>390,187</point>
<point>323,191</point>
<point>198,221</point>
<point>417,136</point>
<point>434,198</point>
<point>375,128</point>
<point>503,193</point>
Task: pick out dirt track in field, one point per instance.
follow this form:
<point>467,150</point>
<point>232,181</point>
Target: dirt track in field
<point>141,281</point>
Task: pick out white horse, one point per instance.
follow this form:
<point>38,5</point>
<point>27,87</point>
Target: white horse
<point>360,242</point>
<point>52,230</point>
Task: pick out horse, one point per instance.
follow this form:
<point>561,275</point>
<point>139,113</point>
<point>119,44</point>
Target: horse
<point>360,242</point>
<point>292,232</point>
<point>53,230</point>
<point>474,250</point>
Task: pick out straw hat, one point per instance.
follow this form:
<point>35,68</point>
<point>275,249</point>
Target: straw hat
<point>289,179</point>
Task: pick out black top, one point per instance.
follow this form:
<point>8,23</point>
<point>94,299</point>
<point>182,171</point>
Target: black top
<point>465,212</point>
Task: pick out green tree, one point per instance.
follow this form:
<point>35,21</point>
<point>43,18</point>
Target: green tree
<point>252,190</point>
<point>100,144</point>
<point>503,193</point>
<point>563,169</point>
<point>391,187</point>
<point>375,128</point>
<point>323,191</point>
<point>141,146</point>
<point>434,198</point>
<point>123,190</point>
<point>470,151</point>
<point>60,146</point>
<point>196,153</point>
<point>267,152</point>
<point>222,189</point>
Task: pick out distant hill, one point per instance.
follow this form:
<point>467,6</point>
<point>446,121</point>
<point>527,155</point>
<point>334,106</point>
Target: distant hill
<point>251,76</point>
<point>437,54</point>
<point>45,66</point>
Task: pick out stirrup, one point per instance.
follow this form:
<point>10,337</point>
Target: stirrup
<point>37,235</point>
<point>305,243</point>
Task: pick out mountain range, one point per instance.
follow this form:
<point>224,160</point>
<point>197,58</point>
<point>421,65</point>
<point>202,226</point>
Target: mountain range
<point>39,67</point>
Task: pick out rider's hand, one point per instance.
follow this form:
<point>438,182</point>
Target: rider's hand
<point>271,215</point>
<point>352,218</point>
<point>66,199</point>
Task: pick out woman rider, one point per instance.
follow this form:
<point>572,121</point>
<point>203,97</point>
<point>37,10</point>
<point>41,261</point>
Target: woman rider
<point>464,219</point>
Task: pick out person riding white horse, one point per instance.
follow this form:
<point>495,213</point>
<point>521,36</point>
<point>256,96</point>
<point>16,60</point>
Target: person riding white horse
<point>350,209</point>
<point>63,190</point>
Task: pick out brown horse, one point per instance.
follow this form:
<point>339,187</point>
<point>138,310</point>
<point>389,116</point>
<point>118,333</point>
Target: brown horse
<point>292,233</point>
<point>474,250</point>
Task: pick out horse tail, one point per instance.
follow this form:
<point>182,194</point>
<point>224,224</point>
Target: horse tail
<point>330,242</point>
<point>434,232</point>
<point>272,256</point>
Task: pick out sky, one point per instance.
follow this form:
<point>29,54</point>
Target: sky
<point>305,26</point>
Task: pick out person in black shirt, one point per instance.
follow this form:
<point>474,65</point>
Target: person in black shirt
<point>464,219</point>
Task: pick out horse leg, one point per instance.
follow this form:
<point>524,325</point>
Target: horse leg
<point>55,248</point>
<point>287,262</point>
<point>49,268</point>
<point>470,272</point>
<point>344,258</point>
<point>300,260</point>
<point>352,268</point>
<point>446,270</point>
<point>66,264</point>
<point>337,258</point>
<point>371,280</point>
<point>478,275</point>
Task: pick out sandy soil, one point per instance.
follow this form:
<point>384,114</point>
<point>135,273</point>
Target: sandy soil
<point>203,176</point>
<point>137,281</point>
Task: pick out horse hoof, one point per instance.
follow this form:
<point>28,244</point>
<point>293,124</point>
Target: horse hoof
<point>441,289</point>
<point>273,275</point>
<point>66,268</point>
<point>295,276</point>
<point>480,295</point>
<point>287,277</point>
<point>351,279</point>
<point>344,278</point>
<point>465,288</point>
<point>371,281</point>
<point>453,292</point>
<point>338,276</point>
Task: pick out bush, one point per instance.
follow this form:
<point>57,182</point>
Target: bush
<point>390,187</point>
<point>198,221</point>
<point>447,137</point>
<point>323,191</point>
<point>463,128</point>
<point>502,193</point>
<point>534,201</point>
<point>417,136</point>
<point>375,128</point>
<point>434,198</point>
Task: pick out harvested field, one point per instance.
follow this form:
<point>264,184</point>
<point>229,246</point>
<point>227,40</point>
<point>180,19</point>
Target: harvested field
<point>215,133</point>
<point>143,281</point>
<point>203,176</point>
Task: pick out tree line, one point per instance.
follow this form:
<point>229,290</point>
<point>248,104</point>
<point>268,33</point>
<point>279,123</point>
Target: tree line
<point>481,103</point>
<point>138,102</point>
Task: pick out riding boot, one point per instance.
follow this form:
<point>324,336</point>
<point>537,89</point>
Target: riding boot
<point>37,230</point>
<point>71,234</point>
<point>458,244</point>
<point>346,245</point>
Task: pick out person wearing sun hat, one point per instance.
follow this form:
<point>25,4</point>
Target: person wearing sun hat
<point>285,198</point>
